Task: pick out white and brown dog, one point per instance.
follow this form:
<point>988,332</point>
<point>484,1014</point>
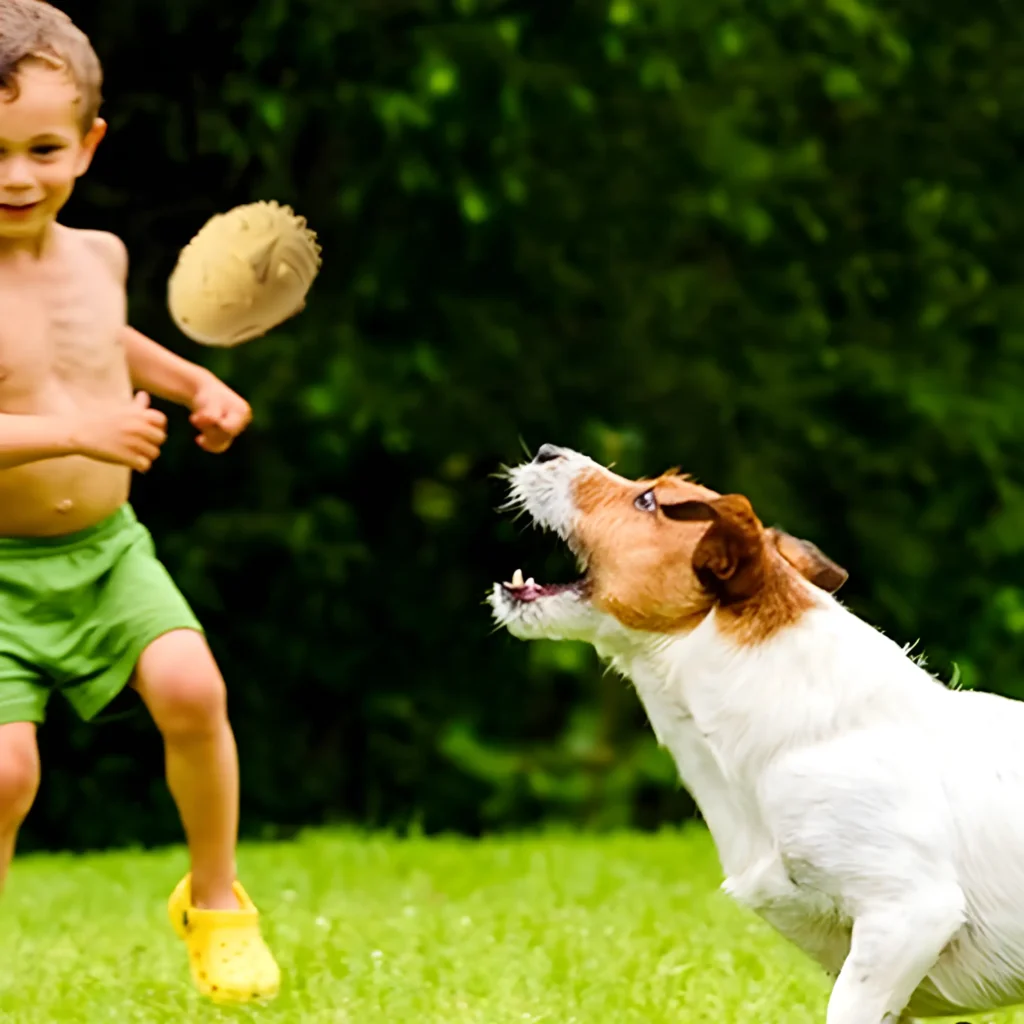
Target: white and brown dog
<point>870,814</point>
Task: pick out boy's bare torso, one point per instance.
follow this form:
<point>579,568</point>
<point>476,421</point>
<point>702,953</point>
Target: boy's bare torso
<point>61,353</point>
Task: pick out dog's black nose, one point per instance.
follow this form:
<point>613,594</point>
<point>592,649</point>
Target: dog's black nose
<point>547,453</point>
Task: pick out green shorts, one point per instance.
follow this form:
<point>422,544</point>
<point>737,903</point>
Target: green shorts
<point>76,612</point>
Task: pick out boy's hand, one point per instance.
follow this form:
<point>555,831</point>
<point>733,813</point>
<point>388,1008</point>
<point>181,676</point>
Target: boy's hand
<point>219,415</point>
<point>131,436</point>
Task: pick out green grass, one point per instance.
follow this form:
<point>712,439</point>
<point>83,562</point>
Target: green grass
<point>566,929</point>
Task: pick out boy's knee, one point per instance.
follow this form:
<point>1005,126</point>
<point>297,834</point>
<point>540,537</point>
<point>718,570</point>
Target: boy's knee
<point>181,685</point>
<point>190,705</point>
<point>19,774</point>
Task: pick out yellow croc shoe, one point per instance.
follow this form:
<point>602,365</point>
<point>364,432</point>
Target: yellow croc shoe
<point>229,960</point>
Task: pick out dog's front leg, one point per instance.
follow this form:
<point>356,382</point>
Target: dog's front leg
<point>894,945</point>
<point>807,918</point>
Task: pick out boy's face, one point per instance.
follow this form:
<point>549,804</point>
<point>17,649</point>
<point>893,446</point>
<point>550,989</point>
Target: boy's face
<point>42,149</point>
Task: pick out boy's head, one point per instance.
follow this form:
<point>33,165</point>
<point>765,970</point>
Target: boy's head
<point>33,31</point>
<point>50,92</point>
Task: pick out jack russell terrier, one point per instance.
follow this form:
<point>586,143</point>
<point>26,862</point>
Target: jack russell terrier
<point>871,815</point>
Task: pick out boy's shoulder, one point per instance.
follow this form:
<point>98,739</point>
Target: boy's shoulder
<point>105,246</point>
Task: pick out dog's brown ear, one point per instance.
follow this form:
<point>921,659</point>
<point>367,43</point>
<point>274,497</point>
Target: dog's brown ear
<point>809,560</point>
<point>729,558</point>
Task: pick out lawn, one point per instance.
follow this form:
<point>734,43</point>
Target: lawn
<point>566,929</point>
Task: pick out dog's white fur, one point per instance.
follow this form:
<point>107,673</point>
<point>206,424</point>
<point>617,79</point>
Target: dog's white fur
<point>873,816</point>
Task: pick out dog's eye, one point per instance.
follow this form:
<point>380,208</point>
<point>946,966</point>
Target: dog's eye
<point>646,502</point>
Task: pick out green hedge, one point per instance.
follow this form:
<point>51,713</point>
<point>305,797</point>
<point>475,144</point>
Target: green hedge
<point>776,243</point>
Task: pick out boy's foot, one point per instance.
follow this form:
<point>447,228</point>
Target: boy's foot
<point>229,960</point>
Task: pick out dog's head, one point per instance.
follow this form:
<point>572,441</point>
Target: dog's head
<point>657,556</point>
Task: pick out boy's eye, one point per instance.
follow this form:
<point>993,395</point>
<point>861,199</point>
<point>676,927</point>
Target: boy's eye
<point>46,150</point>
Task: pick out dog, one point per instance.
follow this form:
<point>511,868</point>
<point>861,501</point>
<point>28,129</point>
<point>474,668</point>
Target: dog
<point>869,813</point>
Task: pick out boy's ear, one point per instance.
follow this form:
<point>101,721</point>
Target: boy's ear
<point>729,558</point>
<point>90,142</point>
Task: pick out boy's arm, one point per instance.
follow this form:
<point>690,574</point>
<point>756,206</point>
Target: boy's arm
<point>25,439</point>
<point>160,372</point>
<point>153,368</point>
<point>218,413</point>
<point>130,435</point>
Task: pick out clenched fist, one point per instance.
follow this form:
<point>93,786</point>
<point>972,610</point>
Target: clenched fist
<point>219,414</point>
<point>130,436</point>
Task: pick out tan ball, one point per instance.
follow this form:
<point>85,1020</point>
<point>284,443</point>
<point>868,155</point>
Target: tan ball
<point>244,273</point>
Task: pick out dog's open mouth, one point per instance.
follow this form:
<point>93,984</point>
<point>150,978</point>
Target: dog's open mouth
<point>526,591</point>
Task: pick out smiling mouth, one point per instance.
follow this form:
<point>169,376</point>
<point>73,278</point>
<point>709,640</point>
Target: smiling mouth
<point>17,207</point>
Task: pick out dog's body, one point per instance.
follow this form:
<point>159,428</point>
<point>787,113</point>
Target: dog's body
<point>870,814</point>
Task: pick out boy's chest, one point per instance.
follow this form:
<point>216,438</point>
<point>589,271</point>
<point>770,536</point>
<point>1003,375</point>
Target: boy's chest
<point>63,325</point>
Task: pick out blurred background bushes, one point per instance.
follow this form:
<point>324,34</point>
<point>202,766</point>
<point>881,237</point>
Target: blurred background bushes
<point>776,243</point>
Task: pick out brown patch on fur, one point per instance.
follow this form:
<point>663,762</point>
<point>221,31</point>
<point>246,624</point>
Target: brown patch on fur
<point>809,560</point>
<point>755,588</point>
<point>662,572</point>
<point>780,602</point>
<point>639,563</point>
<point>730,558</point>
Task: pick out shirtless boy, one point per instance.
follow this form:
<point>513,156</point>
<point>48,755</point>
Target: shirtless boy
<point>85,606</point>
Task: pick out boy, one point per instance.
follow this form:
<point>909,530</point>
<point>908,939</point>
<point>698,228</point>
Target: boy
<point>85,607</point>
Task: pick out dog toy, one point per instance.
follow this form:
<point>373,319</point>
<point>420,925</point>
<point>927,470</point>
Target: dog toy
<point>244,273</point>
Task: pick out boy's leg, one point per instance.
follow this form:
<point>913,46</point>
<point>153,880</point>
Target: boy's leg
<point>19,782</point>
<point>179,681</point>
<point>182,687</point>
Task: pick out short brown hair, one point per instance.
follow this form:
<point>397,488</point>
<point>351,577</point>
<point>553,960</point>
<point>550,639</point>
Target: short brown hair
<point>35,29</point>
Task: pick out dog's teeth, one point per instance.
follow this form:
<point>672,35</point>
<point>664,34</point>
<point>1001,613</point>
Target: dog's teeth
<point>517,578</point>
<point>531,582</point>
